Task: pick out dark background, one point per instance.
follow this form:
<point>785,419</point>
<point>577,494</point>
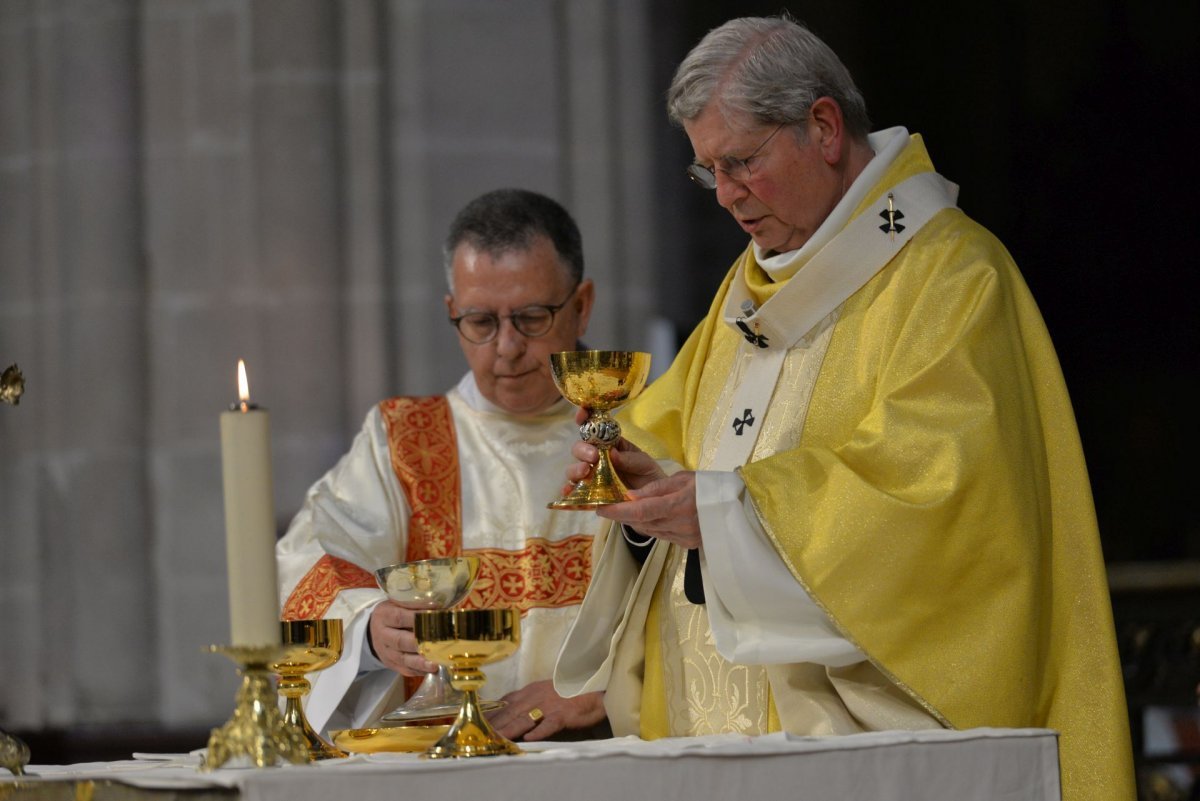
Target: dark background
<point>1066,125</point>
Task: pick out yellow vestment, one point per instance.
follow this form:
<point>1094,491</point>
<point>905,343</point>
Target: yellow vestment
<point>937,504</point>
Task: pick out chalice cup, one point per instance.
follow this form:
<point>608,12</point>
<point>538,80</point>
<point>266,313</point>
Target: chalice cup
<point>308,646</point>
<point>425,585</point>
<point>463,640</point>
<point>599,380</point>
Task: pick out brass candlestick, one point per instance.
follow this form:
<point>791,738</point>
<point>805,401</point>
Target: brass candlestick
<point>12,385</point>
<point>600,381</point>
<point>309,646</point>
<point>14,754</point>
<point>462,640</point>
<point>257,730</point>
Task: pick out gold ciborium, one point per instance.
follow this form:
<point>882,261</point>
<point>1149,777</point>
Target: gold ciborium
<point>462,640</point>
<point>308,646</point>
<point>429,584</point>
<point>599,380</point>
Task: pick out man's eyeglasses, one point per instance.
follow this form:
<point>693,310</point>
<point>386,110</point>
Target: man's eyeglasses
<point>737,169</point>
<point>531,321</point>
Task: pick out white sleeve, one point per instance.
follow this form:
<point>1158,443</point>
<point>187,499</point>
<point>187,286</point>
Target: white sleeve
<point>759,613</point>
<point>356,512</point>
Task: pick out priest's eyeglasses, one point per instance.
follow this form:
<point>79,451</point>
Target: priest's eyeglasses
<point>737,169</point>
<point>531,321</point>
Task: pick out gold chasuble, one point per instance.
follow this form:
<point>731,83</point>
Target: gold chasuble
<point>925,486</point>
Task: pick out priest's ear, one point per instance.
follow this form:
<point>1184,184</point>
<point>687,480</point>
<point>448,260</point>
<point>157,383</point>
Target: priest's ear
<point>829,127</point>
<point>582,302</point>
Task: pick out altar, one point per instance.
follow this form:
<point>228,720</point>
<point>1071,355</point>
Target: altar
<point>939,765</point>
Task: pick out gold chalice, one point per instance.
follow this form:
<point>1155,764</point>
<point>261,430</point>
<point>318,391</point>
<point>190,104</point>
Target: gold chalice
<point>462,640</point>
<point>429,584</point>
<point>308,646</point>
<point>599,380</point>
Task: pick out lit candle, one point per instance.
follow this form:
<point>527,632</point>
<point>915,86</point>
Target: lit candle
<point>249,520</point>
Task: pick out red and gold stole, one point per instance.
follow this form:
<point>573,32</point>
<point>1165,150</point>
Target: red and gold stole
<point>425,459</point>
<point>424,453</point>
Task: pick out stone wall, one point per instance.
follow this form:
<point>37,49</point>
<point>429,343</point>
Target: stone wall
<point>183,184</point>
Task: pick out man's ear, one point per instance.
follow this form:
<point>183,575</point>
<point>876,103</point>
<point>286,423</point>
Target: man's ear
<point>449,305</point>
<point>831,128</point>
<point>585,296</point>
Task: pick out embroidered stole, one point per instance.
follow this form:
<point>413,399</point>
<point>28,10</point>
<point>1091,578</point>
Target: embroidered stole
<point>424,456</point>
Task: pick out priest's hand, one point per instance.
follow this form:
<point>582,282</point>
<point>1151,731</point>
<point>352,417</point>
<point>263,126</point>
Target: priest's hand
<point>536,712</point>
<point>664,508</point>
<point>393,641</point>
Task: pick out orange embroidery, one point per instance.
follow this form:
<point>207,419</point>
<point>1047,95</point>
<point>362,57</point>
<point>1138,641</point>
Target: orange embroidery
<point>543,575</point>
<point>315,593</point>
<point>424,454</point>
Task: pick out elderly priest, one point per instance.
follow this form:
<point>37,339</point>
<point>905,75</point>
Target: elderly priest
<point>878,515</point>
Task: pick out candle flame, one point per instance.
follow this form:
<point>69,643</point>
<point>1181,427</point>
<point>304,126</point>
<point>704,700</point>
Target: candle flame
<point>243,384</point>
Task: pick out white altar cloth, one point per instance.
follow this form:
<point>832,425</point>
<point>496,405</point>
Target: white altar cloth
<point>972,765</point>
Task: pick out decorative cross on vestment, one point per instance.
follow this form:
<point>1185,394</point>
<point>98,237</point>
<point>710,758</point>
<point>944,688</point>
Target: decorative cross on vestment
<point>740,424</point>
<point>891,214</point>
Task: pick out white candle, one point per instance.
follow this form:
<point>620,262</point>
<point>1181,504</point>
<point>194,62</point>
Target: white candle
<point>249,521</point>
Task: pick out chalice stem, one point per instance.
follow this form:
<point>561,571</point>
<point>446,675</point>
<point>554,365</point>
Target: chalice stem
<point>471,734</point>
<point>605,480</point>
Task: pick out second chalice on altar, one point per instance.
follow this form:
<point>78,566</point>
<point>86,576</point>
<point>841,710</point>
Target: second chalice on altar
<point>308,646</point>
<point>600,381</point>
<point>429,584</point>
<point>463,640</point>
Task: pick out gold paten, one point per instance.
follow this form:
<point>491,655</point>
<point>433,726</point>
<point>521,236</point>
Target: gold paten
<point>463,640</point>
<point>411,737</point>
<point>308,646</point>
<point>428,584</point>
<point>600,381</point>
<point>12,385</point>
<point>257,729</point>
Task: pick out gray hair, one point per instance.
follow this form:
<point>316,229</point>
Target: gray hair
<point>771,68</point>
<point>511,220</point>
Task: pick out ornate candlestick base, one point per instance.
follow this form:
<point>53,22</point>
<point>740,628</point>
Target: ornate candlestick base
<point>14,754</point>
<point>257,729</point>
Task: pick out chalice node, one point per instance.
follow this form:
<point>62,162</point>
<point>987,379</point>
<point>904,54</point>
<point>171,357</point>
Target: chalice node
<point>600,381</point>
<point>429,584</point>
<point>463,640</point>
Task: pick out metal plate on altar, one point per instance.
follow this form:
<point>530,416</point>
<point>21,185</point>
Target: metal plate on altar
<point>411,738</point>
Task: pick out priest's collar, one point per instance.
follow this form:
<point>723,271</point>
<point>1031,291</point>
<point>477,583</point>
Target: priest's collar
<point>887,145</point>
<point>469,390</point>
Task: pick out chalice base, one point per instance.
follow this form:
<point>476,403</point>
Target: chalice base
<point>601,488</point>
<point>257,732</point>
<point>293,715</point>
<point>434,698</point>
<point>471,735</point>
